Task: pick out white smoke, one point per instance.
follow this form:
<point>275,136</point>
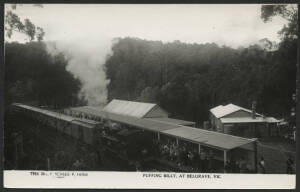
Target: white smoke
<point>86,60</point>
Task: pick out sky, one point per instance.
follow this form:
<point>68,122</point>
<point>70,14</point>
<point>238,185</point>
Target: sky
<point>231,25</point>
<point>84,33</point>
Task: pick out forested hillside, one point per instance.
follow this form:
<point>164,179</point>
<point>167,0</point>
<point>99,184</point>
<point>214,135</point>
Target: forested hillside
<point>33,76</point>
<point>188,79</point>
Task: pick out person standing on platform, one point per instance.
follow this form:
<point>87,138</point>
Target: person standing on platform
<point>196,161</point>
<point>262,165</point>
<point>202,159</point>
<point>211,159</point>
<point>233,166</point>
<point>206,164</point>
<point>227,167</point>
<point>242,165</point>
<point>289,166</point>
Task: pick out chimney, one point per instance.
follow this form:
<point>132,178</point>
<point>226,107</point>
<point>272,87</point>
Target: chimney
<point>253,109</point>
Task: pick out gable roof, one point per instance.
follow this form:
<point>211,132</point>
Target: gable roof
<point>130,108</point>
<point>221,111</point>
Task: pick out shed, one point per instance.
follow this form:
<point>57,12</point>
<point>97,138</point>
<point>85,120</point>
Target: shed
<point>135,109</point>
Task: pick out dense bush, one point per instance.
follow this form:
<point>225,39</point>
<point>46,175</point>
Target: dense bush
<point>34,76</point>
<point>189,79</point>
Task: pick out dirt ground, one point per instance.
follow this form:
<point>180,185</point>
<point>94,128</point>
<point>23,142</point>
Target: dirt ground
<point>275,153</point>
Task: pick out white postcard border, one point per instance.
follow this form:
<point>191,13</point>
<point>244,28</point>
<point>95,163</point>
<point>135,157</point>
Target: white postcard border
<point>144,180</point>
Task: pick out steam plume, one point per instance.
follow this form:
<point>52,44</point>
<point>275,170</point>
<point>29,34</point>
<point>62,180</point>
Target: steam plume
<point>85,61</point>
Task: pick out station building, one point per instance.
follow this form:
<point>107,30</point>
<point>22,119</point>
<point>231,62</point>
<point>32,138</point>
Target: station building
<point>239,121</point>
<point>153,119</point>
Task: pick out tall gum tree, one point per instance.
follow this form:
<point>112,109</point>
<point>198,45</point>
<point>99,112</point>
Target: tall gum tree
<point>13,23</point>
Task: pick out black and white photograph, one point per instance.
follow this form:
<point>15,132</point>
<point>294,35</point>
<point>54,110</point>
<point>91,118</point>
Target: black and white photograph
<point>160,90</point>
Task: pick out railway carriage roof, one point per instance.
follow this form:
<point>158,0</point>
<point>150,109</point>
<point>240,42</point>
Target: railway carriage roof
<point>83,122</point>
<point>46,112</point>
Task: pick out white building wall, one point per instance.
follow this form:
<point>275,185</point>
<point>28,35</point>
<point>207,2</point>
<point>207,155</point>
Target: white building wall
<point>156,112</point>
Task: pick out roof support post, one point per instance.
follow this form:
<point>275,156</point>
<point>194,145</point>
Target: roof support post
<point>177,142</point>
<point>199,149</point>
<point>255,155</point>
<point>158,136</point>
<point>48,163</point>
<point>225,159</point>
<point>255,130</point>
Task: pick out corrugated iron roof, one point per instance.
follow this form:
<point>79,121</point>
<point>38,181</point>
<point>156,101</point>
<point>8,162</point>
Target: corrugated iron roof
<point>129,108</point>
<point>221,111</point>
<point>209,138</point>
<point>272,120</point>
<point>249,120</point>
<point>137,122</point>
<point>171,120</point>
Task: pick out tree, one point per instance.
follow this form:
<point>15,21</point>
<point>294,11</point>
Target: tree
<point>33,76</point>
<point>285,58</point>
<point>268,45</point>
<point>13,23</point>
<point>288,12</point>
<point>197,77</point>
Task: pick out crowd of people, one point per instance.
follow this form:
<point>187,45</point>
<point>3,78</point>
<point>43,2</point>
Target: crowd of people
<point>183,155</point>
<point>186,156</point>
<point>237,166</point>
